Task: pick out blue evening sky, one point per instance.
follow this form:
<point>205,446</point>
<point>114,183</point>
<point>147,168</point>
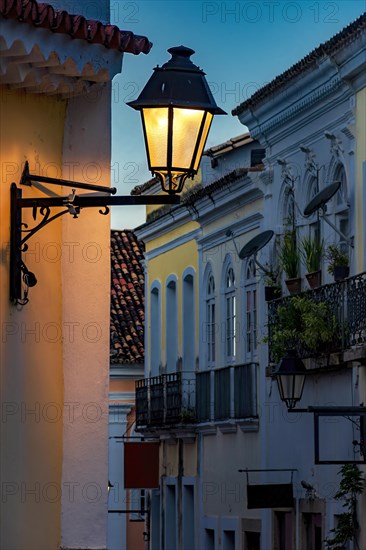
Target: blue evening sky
<point>240,45</point>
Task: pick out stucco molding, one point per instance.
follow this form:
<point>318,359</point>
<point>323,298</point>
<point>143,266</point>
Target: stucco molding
<point>122,396</point>
<point>226,201</point>
<point>175,243</point>
<point>126,372</point>
<point>240,227</point>
<point>118,412</point>
<point>173,219</point>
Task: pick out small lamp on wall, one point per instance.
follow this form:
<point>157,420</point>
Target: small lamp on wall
<point>290,377</point>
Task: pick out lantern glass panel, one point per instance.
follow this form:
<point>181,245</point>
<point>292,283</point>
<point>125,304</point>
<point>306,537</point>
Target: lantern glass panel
<point>186,127</point>
<point>204,135</point>
<point>156,128</point>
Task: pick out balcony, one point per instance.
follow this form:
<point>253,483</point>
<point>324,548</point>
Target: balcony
<point>183,401</point>
<point>166,400</point>
<point>322,322</point>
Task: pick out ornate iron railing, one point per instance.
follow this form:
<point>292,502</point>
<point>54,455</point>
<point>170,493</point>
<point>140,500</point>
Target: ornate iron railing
<point>189,397</point>
<point>346,308</point>
<point>166,400</point>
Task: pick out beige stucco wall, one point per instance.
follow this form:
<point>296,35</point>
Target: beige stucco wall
<point>31,346</point>
<point>55,351</point>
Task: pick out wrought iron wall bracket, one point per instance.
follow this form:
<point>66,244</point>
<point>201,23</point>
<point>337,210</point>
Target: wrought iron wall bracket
<point>43,206</point>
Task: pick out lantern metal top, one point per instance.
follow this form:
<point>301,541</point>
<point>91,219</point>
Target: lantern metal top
<point>179,83</point>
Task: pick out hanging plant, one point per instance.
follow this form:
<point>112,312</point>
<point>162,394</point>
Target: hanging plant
<point>351,486</point>
<point>301,323</point>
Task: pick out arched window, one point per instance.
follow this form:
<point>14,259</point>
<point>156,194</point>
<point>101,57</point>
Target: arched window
<point>171,324</point>
<point>314,221</point>
<point>188,301</point>
<point>341,209</point>
<point>155,329</point>
<point>210,321</point>
<point>288,209</point>
<point>230,315</point>
<point>250,290</point>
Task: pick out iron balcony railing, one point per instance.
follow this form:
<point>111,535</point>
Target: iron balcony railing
<point>203,396</point>
<point>346,309</point>
<point>166,400</point>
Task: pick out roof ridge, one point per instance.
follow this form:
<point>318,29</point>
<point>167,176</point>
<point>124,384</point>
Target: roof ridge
<point>347,34</point>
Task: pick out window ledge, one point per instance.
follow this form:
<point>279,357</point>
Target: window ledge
<point>207,428</point>
<point>248,424</point>
<point>227,426</point>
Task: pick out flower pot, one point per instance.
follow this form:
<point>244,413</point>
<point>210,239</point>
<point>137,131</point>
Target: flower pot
<point>271,293</point>
<point>341,272</point>
<point>314,278</point>
<point>293,285</point>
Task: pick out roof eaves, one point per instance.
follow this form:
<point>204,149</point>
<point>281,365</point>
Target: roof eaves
<point>76,26</point>
<point>331,46</point>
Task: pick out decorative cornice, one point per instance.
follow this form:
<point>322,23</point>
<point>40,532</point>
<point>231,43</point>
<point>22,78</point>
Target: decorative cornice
<point>225,203</point>
<point>175,243</point>
<point>126,372</point>
<point>172,219</point>
<point>219,236</point>
<point>300,106</point>
<point>337,43</point>
<point>122,396</point>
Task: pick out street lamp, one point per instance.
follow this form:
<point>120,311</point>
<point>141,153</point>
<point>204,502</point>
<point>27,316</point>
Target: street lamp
<point>177,108</point>
<point>290,378</point>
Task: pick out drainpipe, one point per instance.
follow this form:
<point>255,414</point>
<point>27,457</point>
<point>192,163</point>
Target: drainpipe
<point>147,531</point>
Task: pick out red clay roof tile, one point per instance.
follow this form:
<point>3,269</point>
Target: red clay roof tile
<point>95,32</point>
<point>127,298</point>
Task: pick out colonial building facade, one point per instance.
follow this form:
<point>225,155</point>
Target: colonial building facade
<point>210,395</point>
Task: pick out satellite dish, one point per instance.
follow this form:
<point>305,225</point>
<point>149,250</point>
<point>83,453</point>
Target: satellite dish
<point>322,198</point>
<point>255,244</point>
<point>319,201</point>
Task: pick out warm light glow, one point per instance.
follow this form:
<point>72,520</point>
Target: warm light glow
<point>206,129</point>
<point>156,126</point>
<point>186,127</point>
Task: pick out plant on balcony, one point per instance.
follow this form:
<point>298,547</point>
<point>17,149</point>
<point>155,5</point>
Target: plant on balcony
<point>338,265</point>
<point>301,323</point>
<point>188,416</point>
<point>312,251</point>
<point>272,285</point>
<point>351,486</point>
<point>289,260</point>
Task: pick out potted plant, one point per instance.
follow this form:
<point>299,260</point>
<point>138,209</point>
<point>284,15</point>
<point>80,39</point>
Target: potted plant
<point>272,286</point>
<point>338,262</point>
<point>301,323</point>
<point>289,259</point>
<point>312,250</point>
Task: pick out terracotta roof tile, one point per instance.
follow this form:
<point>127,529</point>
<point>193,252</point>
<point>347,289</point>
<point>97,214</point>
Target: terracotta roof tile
<point>199,191</point>
<point>60,21</point>
<point>338,41</point>
<point>127,298</point>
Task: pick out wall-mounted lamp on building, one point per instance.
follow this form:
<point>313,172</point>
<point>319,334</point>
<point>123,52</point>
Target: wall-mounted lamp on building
<point>290,377</point>
<point>177,108</point>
